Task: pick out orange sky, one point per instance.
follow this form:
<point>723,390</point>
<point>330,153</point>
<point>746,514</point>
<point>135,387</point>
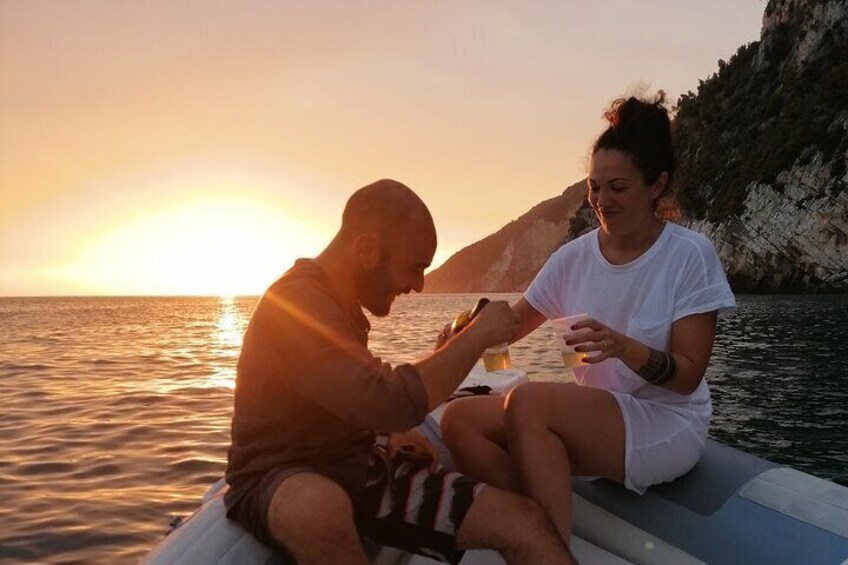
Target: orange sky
<point>198,147</point>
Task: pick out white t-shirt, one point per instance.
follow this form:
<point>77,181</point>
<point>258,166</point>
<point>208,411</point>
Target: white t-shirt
<point>679,275</point>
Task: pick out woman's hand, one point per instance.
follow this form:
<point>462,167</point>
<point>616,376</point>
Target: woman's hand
<point>607,342</point>
<point>690,343</point>
<point>413,442</point>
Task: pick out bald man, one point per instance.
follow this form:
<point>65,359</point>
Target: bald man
<point>304,470</point>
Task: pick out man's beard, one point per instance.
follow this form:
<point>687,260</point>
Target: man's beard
<point>374,286</point>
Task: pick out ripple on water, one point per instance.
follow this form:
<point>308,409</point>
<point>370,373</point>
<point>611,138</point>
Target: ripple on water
<point>97,471</point>
<point>24,367</point>
<point>195,465</point>
<point>48,468</point>
<point>99,362</point>
<point>58,541</point>
<point>25,395</point>
<point>137,400</point>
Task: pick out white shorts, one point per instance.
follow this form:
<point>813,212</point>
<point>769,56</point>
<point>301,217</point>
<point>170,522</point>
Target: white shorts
<point>661,443</point>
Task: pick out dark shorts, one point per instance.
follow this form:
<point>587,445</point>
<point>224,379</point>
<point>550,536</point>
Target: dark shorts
<point>403,505</point>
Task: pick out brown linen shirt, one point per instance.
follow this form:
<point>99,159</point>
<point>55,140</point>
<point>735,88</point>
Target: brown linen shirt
<point>308,392</point>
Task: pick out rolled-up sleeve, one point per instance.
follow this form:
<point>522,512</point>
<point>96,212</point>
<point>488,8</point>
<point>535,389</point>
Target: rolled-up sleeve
<point>321,359</point>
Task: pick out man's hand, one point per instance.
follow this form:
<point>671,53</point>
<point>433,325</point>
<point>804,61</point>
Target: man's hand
<point>444,336</point>
<point>497,322</point>
<point>443,371</point>
<point>412,441</point>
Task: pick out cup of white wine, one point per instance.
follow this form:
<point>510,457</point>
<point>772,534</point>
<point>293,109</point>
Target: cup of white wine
<point>497,358</point>
<point>562,327</point>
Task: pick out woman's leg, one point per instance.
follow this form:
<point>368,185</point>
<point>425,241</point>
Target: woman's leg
<point>473,430</point>
<point>555,431</point>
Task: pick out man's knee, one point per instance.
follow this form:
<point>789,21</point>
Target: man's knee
<point>491,522</point>
<point>308,511</point>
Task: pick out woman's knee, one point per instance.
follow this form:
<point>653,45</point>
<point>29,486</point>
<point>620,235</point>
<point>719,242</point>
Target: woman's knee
<point>468,420</point>
<point>527,404</point>
<point>452,423</point>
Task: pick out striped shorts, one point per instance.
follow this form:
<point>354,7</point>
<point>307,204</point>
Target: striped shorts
<point>407,506</point>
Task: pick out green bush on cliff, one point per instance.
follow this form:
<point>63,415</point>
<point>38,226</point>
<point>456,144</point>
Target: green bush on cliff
<point>758,116</point>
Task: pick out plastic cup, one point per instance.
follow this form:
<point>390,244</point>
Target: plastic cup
<point>497,358</point>
<point>562,326</point>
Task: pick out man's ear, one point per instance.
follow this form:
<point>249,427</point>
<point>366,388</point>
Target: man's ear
<point>366,249</point>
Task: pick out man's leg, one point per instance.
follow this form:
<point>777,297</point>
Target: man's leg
<point>473,430</point>
<point>515,526</point>
<point>441,513</point>
<point>312,518</point>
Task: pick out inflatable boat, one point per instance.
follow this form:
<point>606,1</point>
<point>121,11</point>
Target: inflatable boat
<point>732,508</point>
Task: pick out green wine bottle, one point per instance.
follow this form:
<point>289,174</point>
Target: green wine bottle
<point>465,317</point>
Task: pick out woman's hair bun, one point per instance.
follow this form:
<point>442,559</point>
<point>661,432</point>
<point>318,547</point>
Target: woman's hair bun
<point>642,129</point>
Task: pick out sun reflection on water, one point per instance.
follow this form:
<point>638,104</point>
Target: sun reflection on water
<point>229,331</point>
<point>230,326</point>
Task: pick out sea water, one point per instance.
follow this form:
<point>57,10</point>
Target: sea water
<point>115,412</point>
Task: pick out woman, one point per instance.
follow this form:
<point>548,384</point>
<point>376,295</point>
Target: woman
<point>639,408</point>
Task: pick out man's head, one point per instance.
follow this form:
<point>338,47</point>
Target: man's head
<point>392,239</point>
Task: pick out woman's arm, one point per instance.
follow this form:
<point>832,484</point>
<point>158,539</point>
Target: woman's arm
<point>690,346</point>
<point>528,319</point>
<point>691,343</point>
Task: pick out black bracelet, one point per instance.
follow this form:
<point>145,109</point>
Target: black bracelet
<point>659,368</point>
<point>670,372</point>
<point>655,366</point>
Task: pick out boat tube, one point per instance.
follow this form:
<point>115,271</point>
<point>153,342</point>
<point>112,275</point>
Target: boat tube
<point>731,508</point>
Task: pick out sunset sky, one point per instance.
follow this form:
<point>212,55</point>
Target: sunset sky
<point>198,147</point>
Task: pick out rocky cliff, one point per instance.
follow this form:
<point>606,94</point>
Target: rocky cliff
<point>763,149</point>
<point>509,259</point>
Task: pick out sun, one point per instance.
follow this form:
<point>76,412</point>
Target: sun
<point>222,247</point>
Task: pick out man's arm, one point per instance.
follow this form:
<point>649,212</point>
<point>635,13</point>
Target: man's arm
<point>302,337</point>
<point>321,360</point>
<point>443,371</point>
